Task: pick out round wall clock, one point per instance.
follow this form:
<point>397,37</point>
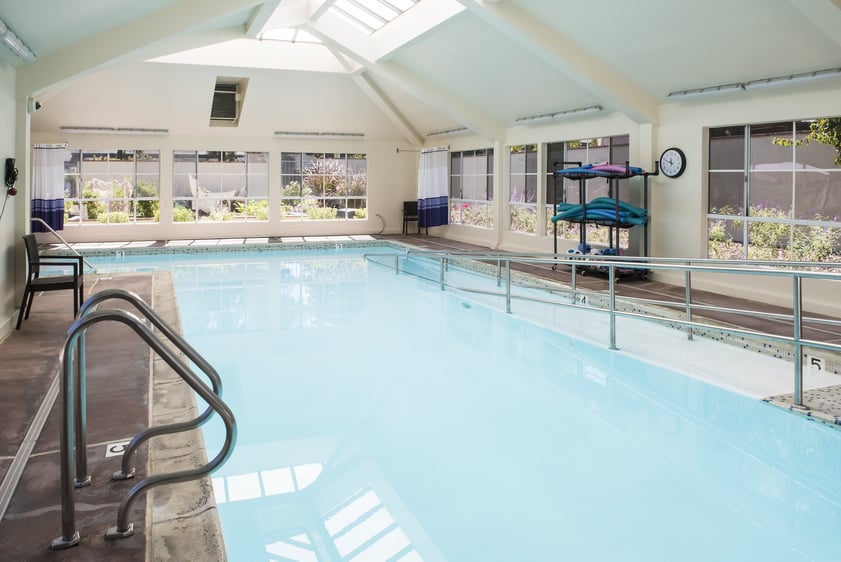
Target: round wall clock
<point>672,162</point>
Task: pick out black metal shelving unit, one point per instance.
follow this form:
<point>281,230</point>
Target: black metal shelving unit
<point>612,174</point>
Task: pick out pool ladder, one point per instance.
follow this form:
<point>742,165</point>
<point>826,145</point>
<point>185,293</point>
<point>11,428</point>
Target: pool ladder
<point>73,411</point>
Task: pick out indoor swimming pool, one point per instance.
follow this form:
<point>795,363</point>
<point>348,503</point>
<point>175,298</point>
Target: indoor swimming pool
<point>383,419</point>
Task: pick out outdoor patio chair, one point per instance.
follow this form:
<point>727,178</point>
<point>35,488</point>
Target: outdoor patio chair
<point>36,284</point>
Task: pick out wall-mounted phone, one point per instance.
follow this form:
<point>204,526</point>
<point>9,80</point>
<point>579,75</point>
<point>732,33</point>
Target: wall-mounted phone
<point>11,176</point>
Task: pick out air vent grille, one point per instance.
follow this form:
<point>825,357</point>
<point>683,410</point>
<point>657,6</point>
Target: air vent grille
<point>224,106</point>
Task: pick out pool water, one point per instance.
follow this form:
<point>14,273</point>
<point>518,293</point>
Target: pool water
<point>382,419</point>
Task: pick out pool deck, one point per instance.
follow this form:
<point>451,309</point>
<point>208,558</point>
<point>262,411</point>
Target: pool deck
<point>119,406</point>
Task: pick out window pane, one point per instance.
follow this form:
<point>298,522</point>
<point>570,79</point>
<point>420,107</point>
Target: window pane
<point>768,240</point>
<point>531,189</point>
<point>455,187</point>
<point>468,187</point>
<point>725,239</point>
<point>727,148</point>
<point>524,218</point>
<point>518,189</point>
<point>819,144</point>
<point>816,243</point>
<point>771,194</point>
<point>771,146</point>
<point>620,149</point>
<point>517,161</point>
<point>817,195</point>
<point>727,195</point>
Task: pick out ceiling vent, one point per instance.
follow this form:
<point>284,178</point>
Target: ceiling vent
<point>227,102</point>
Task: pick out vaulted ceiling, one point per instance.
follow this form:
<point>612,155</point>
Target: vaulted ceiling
<point>443,64</point>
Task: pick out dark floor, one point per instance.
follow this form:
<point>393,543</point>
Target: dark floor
<point>117,374</point>
<point>118,383</point>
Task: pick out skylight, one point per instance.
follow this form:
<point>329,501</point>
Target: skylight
<point>371,15</point>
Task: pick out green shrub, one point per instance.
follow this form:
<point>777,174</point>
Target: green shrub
<point>523,219</point>
<point>258,210</point>
<point>360,213</point>
<point>321,213</point>
<point>114,217</point>
<point>182,214</point>
<point>93,208</point>
<point>221,213</point>
<point>771,241</point>
<point>149,207</point>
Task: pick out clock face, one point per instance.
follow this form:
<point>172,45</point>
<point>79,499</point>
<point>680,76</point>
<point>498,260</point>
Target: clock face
<point>672,162</point>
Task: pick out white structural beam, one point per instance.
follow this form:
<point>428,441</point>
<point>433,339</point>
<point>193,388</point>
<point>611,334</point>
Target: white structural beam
<point>567,57</point>
<point>384,104</point>
<point>126,42</point>
<point>260,17</point>
<point>329,31</point>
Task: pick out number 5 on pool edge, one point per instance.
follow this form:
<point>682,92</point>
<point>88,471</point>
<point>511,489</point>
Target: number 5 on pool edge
<point>816,363</point>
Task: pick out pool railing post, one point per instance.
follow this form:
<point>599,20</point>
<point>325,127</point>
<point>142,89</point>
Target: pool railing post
<point>498,271</point>
<point>69,535</point>
<point>688,301</point>
<point>611,269</point>
<point>80,413</point>
<point>508,286</point>
<point>797,317</point>
<point>443,268</point>
<point>397,265</point>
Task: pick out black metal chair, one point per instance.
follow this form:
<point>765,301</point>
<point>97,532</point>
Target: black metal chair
<point>35,283</point>
<point>410,214</point>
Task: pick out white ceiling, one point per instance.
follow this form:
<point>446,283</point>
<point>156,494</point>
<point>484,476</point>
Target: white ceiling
<point>480,65</point>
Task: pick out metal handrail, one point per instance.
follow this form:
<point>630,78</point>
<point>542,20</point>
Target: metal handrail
<point>69,359</point>
<point>686,265</point>
<point>63,241</point>
<point>796,271</point>
<point>126,470</point>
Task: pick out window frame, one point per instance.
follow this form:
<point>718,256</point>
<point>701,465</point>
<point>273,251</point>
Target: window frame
<point>475,212</point>
<point>202,194</point>
<point>330,186</point>
<point>105,184</point>
<point>755,226</point>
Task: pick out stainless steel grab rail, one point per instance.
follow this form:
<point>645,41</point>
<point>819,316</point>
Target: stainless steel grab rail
<point>67,245</point>
<point>69,359</point>
<point>127,471</point>
<point>796,271</point>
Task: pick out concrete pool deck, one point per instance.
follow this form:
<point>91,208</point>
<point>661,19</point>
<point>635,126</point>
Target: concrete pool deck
<point>167,519</point>
<point>182,523</point>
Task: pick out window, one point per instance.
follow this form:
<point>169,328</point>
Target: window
<point>323,186</point>
<point>775,191</point>
<point>522,188</point>
<point>613,149</point>
<point>214,186</point>
<point>471,187</point>
<point>111,187</point>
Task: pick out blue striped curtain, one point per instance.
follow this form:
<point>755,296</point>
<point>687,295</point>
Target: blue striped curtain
<point>433,182</point>
<point>48,187</point>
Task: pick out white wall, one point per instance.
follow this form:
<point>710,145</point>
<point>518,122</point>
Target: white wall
<point>8,235</point>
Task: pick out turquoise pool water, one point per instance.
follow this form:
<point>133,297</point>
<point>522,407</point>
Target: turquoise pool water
<point>382,419</point>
